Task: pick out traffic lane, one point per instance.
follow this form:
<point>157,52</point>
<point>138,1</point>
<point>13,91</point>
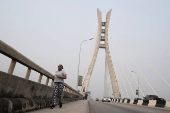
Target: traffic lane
<point>112,107</point>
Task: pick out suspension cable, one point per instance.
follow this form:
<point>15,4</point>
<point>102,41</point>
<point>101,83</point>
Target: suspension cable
<point>124,70</point>
<point>139,69</point>
<point>120,87</point>
<point>128,68</point>
<point>143,57</point>
<point>123,81</point>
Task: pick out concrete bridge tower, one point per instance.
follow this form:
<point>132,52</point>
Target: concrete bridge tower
<point>104,38</point>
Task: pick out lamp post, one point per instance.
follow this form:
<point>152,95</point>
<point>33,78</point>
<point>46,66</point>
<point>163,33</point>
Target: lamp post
<point>79,62</point>
<point>138,81</point>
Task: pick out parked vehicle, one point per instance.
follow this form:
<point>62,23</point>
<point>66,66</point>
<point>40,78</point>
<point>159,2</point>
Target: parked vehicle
<point>162,99</point>
<point>127,98</point>
<point>106,99</point>
<point>151,97</point>
<point>97,99</point>
<point>137,99</point>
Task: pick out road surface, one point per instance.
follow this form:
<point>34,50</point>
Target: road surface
<point>115,107</point>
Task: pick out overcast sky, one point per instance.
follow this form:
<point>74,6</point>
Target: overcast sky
<point>49,32</point>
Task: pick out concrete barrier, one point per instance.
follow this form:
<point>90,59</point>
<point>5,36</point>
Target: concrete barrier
<point>19,95</point>
<point>140,102</point>
<point>123,100</point>
<point>167,104</point>
<point>152,103</point>
<point>145,102</point>
<point>135,101</point>
<point>128,101</point>
<point>119,100</point>
<point>160,103</point>
<point>112,100</point>
<point>131,101</point>
<point>9,105</point>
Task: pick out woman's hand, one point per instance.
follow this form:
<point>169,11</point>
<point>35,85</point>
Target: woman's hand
<point>52,77</point>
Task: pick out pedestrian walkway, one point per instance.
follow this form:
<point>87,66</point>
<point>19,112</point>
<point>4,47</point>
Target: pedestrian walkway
<point>80,106</point>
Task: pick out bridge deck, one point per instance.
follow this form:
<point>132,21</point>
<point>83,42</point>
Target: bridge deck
<point>80,106</point>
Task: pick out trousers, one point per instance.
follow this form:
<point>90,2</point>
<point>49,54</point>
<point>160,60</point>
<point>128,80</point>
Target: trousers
<point>57,91</point>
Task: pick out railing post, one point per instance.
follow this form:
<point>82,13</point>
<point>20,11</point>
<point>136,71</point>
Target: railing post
<point>66,89</point>
<point>40,77</point>
<point>11,67</point>
<point>28,73</point>
<point>47,81</point>
<point>52,82</point>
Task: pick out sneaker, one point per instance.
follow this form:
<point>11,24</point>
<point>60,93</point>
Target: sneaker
<point>60,104</point>
<point>52,107</point>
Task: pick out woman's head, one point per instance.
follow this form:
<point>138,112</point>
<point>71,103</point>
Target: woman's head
<point>60,67</point>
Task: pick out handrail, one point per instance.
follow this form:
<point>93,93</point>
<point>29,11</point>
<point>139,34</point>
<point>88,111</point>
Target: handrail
<point>14,54</point>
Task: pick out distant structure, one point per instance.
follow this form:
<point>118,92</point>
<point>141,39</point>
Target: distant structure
<point>102,36</point>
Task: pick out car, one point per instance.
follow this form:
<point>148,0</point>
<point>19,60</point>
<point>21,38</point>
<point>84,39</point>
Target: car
<point>126,98</point>
<point>137,99</point>
<point>91,99</point>
<point>97,99</point>
<point>106,99</point>
<point>151,97</point>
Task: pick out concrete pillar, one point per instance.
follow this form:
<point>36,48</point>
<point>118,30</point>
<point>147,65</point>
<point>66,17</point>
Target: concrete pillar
<point>52,82</point>
<point>28,73</point>
<point>109,60</point>
<point>40,77</point>
<point>11,67</point>
<point>90,69</point>
<point>47,80</point>
<point>108,57</point>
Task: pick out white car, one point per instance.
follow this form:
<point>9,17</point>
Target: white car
<point>106,99</point>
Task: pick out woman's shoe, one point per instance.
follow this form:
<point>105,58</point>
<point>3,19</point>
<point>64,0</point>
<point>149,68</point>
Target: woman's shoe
<point>60,104</point>
<point>52,107</point>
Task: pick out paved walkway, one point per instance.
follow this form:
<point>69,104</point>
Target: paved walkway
<point>80,106</point>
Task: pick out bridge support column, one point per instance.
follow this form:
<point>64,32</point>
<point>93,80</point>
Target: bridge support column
<point>40,78</point>
<point>47,81</point>
<point>98,45</point>
<point>28,73</point>
<point>11,67</point>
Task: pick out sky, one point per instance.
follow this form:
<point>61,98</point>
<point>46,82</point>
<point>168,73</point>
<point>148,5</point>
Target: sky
<point>49,32</point>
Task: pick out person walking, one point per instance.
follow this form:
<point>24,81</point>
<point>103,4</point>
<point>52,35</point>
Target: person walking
<point>84,95</point>
<point>58,85</point>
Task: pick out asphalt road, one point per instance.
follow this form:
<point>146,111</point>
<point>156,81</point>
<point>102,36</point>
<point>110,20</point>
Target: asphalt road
<point>112,107</point>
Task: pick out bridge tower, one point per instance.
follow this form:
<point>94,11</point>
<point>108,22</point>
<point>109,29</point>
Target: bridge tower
<point>100,38</point>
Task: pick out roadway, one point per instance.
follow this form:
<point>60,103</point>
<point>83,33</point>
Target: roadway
<point>115,107</point>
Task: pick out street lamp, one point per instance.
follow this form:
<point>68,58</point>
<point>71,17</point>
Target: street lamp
<point>138,82</point>
<point>79,61</point>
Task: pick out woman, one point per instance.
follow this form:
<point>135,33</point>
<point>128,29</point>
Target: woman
<point>58,86</point>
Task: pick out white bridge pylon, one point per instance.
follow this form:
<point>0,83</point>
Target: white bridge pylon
<point>100,38</point>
